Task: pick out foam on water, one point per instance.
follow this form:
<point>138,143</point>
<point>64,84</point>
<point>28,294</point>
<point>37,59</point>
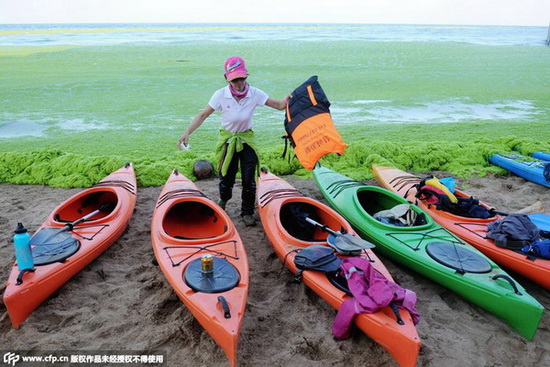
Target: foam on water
<point>79,124</point>
<point>449,111</point>
<point>348,112</point>
<point>14,127</point>
<point>20,128</point>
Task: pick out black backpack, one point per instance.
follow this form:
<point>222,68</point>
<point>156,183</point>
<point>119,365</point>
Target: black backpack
<point>316,257</point>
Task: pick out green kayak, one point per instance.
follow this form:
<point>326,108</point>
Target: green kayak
<point>406,234</point>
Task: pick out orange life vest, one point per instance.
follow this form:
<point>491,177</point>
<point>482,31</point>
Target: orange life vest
<point>309,125</point>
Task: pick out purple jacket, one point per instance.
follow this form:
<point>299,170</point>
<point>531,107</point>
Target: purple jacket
<point>371,291</point>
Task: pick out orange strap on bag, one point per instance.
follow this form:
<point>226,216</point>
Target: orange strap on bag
<point>309,124</point>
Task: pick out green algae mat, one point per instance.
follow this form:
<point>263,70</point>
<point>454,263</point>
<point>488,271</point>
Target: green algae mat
<point>71,114</point>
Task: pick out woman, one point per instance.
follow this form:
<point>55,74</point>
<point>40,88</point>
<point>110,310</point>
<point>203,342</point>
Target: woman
<point>236,102</point>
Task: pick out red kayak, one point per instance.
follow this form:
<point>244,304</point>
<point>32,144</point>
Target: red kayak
<point>203,257</point>
<point>275,199</point>
<point>74,234</point>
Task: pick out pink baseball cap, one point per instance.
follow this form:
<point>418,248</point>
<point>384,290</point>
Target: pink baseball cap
<point>234,68</point>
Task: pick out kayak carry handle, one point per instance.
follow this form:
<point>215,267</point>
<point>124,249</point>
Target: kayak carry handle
<point>264,170</point>
<point>509,280</point>
<point>397,314</point>
<point>20,276</point>
<point>225,306</point>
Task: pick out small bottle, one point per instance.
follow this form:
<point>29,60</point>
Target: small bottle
<point>207,264</point>
<point>23,252</point>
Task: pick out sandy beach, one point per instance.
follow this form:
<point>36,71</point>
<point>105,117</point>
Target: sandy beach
<point>122,301</point>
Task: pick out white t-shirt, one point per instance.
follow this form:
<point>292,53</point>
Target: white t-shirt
<point>237,115</point>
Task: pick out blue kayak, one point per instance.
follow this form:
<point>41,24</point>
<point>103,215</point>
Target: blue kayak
<point>541,220</point>
<point>530,169</point>
<point>542,156</point>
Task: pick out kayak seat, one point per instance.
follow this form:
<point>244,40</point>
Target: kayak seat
<point>458,258</point>
<point>50,246</point>
<point>223,278</point>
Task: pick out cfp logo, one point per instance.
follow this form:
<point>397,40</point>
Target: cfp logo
<point>11,358</point>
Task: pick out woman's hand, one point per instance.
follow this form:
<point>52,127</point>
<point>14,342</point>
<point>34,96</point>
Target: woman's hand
<point>195,123</point>
<point>183,140</point>
<point>277,104</point>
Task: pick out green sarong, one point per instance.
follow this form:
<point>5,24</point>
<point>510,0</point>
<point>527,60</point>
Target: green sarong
<point>230,143</point>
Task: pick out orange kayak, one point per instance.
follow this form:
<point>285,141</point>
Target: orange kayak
<point>66,242</point>
<point>202,255</point>
<point>472,230</point>
<point>274,196</point>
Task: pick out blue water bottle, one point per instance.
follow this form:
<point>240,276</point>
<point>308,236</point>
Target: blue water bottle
<point>23,252</point>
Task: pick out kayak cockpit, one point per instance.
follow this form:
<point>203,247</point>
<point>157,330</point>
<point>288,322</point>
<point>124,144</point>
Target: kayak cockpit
<point>293,215</point>
<point>102,202</point>
<point>373,201</point>
<point>390,209</point>
<point>191,220</point>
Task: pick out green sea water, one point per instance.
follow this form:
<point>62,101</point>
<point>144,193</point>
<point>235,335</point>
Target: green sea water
<point>93,108</point>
